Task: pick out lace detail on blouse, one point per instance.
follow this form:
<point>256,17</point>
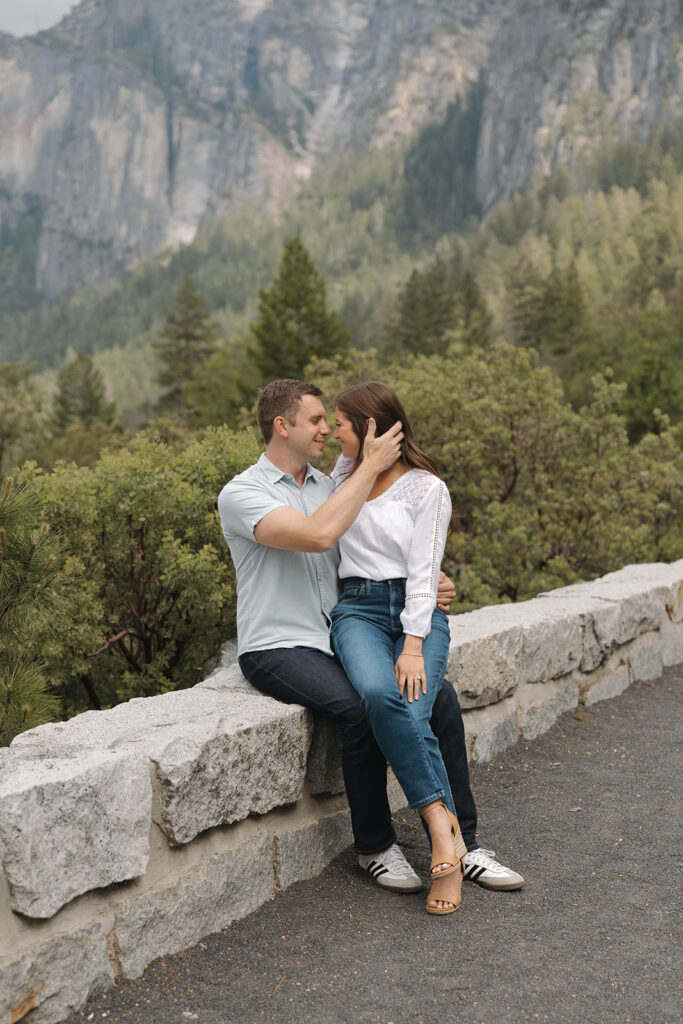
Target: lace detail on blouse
<point>437,546</point>
<point>400,534</point>
<point>412,489</point>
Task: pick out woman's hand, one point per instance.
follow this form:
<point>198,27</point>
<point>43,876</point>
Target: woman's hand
<point>410,675</point>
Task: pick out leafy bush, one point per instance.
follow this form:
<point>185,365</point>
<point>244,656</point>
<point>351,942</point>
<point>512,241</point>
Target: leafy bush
<point>148,592</point>
<point>28,564</point>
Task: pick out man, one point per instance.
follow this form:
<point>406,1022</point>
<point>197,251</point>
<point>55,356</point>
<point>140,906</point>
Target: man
<point>282,520</point>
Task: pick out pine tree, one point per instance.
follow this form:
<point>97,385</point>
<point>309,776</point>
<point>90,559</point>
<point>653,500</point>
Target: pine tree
<point>549,315</point>
<point>427,310</point>
<point>27,566</point>
<point>525,292</point>
<point>294,323</point>
<point>80,395</point>
<point>476,318</point>
<point>189,336</point>
<point>563,323</point>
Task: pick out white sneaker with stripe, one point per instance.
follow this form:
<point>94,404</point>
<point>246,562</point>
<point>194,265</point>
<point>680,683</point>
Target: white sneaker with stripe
<point>482,868</point>
<point>391,870</point>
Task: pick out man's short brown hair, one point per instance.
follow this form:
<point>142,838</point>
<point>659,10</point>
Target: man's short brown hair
<point>281,398</point>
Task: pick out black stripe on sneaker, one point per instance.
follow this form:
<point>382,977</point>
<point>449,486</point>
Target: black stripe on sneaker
<point>378,870</point>
<point>477,872</point>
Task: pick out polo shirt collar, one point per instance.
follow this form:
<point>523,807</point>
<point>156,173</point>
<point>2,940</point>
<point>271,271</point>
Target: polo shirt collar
<point>273,473</point>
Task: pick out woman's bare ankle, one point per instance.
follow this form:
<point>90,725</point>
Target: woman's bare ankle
<point>437,820</point>
<point>439,826</point>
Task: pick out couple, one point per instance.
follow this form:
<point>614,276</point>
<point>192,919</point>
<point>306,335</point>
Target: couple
<point>383,683</point>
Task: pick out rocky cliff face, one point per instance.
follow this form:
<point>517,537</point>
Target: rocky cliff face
<point>134,120</point>
<point>561,73</point>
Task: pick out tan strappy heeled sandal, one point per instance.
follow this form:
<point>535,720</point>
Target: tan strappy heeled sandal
<point>447,858</point>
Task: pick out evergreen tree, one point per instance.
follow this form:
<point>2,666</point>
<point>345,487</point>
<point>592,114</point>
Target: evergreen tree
<point>564,312</point>
<point>221,386</point>
<point>27,566</point>
<point>525,291</point>
<point>549,314</point>
<point>188,337</point>
<point>82,422</point>
<point>80,395</point>
<point>476,318</point>
<point>294,323</point>
<point>427,310</point>
<point>654,372</point>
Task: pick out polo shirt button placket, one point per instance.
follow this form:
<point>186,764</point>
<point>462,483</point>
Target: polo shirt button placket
<point>315,556</point>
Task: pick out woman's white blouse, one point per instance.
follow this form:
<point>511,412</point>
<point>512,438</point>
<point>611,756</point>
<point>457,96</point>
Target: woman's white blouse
<point>400,534</point>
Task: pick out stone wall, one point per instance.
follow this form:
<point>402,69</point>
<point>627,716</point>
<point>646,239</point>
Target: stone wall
<point>131,833</point>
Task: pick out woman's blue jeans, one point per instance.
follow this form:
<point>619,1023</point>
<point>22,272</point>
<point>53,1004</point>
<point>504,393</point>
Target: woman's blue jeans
<point>367,637</point>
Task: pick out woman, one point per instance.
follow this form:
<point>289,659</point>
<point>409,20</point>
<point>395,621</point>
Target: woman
<point>387,632</point>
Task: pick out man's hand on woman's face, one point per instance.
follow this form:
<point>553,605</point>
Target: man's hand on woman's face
<point>382,452</point>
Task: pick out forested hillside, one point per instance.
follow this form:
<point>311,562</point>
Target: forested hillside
<point>586,267</point>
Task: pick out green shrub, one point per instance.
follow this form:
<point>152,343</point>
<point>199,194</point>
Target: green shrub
<point>28,565</point>
<point>148,591</point>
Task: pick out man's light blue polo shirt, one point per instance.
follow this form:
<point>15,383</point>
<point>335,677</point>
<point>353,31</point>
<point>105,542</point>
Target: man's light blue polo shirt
<point>284,598</point>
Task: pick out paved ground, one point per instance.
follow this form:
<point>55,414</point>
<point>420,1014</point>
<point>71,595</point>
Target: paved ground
<point>590,813</point>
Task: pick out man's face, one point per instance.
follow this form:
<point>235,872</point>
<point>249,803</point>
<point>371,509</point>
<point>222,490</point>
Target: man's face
<point>307,434</point>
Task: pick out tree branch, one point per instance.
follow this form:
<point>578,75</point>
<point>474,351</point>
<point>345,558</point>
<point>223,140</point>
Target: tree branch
<point>109,643</point>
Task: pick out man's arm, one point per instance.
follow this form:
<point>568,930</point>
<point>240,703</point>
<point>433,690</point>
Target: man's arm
<point>292,530</point>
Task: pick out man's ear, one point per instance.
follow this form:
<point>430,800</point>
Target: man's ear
<point>281,425</point>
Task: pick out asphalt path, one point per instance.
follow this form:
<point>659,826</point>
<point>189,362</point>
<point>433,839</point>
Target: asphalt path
<point>590,813</point>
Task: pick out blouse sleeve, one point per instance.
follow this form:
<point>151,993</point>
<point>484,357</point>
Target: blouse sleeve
<point>341,470</point>
<point>424,560</point>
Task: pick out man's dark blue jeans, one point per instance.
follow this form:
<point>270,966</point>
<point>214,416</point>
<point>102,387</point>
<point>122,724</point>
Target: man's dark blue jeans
<point>303,675</point>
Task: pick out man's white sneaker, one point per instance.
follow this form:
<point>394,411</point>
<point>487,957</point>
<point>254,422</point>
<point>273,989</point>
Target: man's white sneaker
<point>391,870</point>
<point>480,867</point>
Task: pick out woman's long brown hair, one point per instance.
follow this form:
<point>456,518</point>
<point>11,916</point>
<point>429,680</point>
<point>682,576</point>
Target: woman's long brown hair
<point>382,403</point>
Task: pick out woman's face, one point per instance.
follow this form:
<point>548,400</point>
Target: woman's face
<point>346,435</point>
